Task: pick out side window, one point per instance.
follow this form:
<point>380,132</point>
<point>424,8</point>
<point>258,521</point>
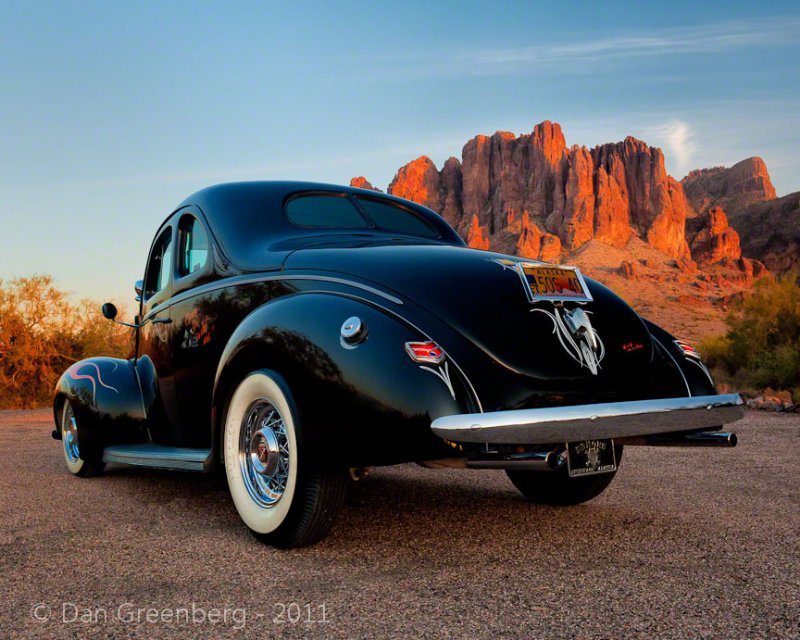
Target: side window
<point>194,245</point>
<point>159,266</point>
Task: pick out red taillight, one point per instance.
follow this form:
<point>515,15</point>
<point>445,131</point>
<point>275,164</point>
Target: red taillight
<point>688,350</point>
<point>429,352</point>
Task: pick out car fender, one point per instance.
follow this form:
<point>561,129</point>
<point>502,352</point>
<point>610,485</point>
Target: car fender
<point>695,379</point>
<point>366,402</point>
<point>107,402</point>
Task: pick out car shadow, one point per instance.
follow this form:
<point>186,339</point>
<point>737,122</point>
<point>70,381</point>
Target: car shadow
<point>391,509</point>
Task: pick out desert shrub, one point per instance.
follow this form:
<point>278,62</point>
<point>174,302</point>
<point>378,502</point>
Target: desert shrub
<point>778,367</point>
<point>762,345</point>
<point>41,333</point>
<point>715,350</point>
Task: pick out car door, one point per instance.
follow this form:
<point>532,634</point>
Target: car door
<point>155,358</point>
<point>196,312</point>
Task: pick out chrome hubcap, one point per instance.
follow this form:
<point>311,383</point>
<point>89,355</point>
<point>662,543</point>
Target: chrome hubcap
<point>69,435</point>
<point>264,453</point>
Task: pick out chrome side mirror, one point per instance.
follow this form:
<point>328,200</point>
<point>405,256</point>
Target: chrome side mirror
<point>138,287</point>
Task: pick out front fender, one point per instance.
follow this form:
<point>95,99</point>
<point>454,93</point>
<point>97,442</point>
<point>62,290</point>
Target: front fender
<point>358,405</point>
<point>107,402</point>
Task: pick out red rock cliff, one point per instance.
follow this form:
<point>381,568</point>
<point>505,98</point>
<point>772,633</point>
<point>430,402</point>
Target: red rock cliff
<point>534,194</point>
<point>716,240</point>
<point>362,183</point>
<point>745,183</point>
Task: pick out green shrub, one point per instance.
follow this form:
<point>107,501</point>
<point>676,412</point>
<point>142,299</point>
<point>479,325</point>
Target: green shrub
<point>762,345</point>
<point>715,351</point>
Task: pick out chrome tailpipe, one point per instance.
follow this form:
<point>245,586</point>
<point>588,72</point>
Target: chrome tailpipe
<point>696,439</point>
<point>528,461</point>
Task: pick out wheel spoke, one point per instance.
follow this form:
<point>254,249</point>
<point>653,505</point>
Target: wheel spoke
<point>264,445</point>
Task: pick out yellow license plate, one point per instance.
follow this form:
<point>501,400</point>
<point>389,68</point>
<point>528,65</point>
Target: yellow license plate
<point>549,282</point>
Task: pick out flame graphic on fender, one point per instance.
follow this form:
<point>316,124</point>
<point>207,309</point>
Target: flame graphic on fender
<point>73,372</point>
<point>579,339</point>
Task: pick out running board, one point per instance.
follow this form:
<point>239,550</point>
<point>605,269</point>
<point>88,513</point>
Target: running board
<point>148,454</point>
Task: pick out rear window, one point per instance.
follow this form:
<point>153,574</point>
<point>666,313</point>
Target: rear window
<point>332,211</point>
<point>391,218</point>
<point>324,211</point>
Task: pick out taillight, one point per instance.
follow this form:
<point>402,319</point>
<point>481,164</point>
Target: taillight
<point>429,352</point>
<point>688,350</point>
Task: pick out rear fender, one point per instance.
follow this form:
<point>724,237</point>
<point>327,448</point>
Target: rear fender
<point>107,402</point>
<point>695,379</point>
<point>367,403</point>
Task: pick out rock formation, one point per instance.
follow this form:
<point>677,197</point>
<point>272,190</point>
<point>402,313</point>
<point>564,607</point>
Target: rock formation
<point>745,183</point>
<point>565,195</point>
<point>771,231</point>
<point>769,227</point>
<point>362,183</point>
<point>716,240</point>
<point>418,181</point>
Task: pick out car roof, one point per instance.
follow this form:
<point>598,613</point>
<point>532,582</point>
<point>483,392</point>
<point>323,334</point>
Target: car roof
<point>248,219</point>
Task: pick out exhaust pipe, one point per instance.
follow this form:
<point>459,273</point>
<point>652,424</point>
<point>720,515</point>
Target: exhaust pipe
<point>696,439</point>
<point>528,461</point>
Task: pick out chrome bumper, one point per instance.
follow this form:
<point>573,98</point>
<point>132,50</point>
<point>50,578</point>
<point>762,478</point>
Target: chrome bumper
<point>591,421</point>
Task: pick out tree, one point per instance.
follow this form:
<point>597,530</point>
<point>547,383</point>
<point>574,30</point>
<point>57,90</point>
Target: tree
<point>42,333</point>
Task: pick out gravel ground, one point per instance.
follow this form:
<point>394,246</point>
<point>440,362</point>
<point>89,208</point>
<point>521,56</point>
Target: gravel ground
<point>686,543</point>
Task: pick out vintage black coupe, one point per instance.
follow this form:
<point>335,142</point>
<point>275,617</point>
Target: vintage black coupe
<point>297,333</point>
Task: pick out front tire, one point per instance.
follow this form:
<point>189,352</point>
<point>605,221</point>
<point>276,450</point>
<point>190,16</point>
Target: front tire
<point>81,467</point>
<point>279,493</point>
<point>557,488</point>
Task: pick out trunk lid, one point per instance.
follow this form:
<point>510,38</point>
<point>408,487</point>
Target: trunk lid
<point>482,297</point>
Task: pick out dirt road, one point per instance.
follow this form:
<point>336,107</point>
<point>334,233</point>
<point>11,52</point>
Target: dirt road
<point>686,543</point>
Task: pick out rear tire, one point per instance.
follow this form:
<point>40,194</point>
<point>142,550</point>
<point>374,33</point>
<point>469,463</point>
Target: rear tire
<point>279,493</point>
<point>81,467</point>
<point>557,488</point>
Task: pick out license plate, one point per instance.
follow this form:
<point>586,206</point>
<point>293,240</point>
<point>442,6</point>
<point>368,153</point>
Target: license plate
<point>591,456</point>
<point>549,282</point>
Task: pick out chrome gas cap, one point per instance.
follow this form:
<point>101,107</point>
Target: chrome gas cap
<point>353,331</point>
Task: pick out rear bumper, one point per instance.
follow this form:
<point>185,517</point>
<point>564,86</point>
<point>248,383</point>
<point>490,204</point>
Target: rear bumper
<point>591,421</point>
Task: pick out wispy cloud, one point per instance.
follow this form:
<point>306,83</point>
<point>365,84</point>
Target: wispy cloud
<point>678,139</point>
<point>586,55</point>
<point>716,132</point>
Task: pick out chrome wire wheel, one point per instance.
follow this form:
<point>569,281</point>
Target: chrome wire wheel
<point>69,435</point>
<point>279,492</point>
<point>264,453</point>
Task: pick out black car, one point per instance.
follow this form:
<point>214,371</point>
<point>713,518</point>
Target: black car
<point>297,333</point>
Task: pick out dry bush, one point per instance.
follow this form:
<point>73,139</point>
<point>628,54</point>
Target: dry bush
<point>762,346</point>
<point>41,333</point>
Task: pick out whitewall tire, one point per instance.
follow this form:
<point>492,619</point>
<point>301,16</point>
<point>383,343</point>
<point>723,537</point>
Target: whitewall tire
<point>277,493</point>
<point>71,446</point>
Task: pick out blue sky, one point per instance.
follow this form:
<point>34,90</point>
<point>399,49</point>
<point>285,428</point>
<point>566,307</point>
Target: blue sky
<point>113,112</point>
